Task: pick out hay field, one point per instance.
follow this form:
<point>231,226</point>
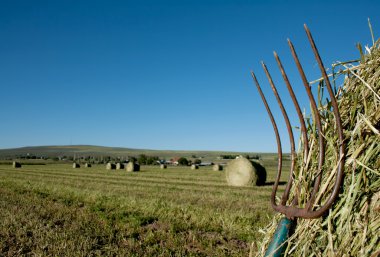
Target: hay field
<point>57,210</point>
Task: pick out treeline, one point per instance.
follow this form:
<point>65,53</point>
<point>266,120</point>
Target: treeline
<point>229,156</point>
<point>27,157</point>
<point>141,159</point>
<point>147,160</point>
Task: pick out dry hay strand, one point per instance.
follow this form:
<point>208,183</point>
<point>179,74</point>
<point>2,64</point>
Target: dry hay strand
<point>243,172</point>
<point>217,167</point>
<point>87,165</point>
<point>163,166</point>
<point>194,167</point>
<point>352,225</point>
<point>132,167</point>
<point>119,166</point>
<point>16,165</point>
<point>110,166</point>
<point>76,165</point>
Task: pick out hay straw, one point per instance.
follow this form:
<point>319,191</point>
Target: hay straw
<point>132,167</point>
<point>194,167</point>
<point>217,167</point>
<point>110,166</point>
<point>16,165</point>
<point>352,225</point>
<point>119,166</point>
<point>243,172</point>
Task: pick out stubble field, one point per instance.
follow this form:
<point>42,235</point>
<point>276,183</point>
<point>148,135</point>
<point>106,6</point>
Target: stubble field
<point>60,211</point>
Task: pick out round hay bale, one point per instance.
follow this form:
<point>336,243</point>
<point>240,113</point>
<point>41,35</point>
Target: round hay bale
<point>131,166</point>
<point>16,165</point>
<point>217,167</point>
<point>76,165</point>
<point>243,172</point>
<point>163,166</point>
<point>110,166</point>
<point>87,165</point>
<point>194,167</point>
<point>119,166</point>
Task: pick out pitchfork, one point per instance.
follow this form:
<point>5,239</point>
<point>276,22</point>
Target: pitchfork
<point>293,211</point>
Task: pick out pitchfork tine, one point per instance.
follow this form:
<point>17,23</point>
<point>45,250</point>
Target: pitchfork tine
<point>340,172</point>
<point>300,118</point>
<point>290,132</point>
<point>296,105</point>
<point>278,139</point>
<point>317,120</point>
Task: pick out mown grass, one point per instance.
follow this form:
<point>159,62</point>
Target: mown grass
<point>56,210</point>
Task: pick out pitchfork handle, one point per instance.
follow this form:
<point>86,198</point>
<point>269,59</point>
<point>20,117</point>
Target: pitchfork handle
<point>277,246</point>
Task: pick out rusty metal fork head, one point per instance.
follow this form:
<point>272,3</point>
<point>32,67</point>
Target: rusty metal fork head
<point>293,211</point>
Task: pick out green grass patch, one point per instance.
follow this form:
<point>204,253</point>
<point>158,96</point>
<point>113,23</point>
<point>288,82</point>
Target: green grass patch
<point>56,210</point>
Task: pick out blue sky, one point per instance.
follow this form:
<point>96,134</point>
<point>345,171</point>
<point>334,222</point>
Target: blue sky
<point>161,74</point>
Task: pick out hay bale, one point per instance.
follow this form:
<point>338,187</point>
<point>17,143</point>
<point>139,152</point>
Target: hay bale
<point>119,166</point>
<point>110,166</point>
<point>87,165</point>
<point>194,167</point>
<point>163,166</point>
<point>16,165</point>
<point>132,167</point>
<point>217,167</point>
<point>76,165</point>
<point>243,172</point>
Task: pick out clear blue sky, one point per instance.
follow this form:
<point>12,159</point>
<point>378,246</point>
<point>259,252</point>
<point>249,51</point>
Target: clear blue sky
<point>161,74</point>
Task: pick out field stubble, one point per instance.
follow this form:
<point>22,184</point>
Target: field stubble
<point>57,210</point>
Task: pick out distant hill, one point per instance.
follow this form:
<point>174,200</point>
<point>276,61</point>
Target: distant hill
<point>90,150</point>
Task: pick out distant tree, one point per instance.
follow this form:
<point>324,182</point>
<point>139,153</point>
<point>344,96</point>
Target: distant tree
<point>132,159</point>
<point>256,157</point>
<point>183,161</point>
<point>194,156</point>
<point>197,161</point>
<point>142,159</point>
<point>152,160</point>
<point>227,157</point>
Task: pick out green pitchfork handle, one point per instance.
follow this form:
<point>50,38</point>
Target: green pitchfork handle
<point>277,246</point>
